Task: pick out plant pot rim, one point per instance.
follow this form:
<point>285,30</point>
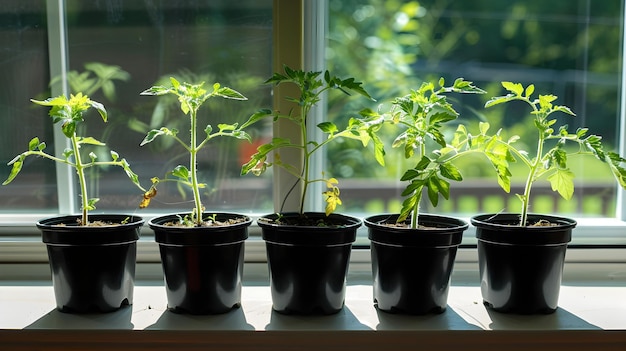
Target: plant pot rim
<point>63,230</point>
<point>192,236</point>
<point>445,231</point>
<point>436,223</point>
<point>157,222</point>
<point>310,235</point>
<point>505,221</point>
<point>501,229</point>
<point>68,222</point>
<point>345,220</point>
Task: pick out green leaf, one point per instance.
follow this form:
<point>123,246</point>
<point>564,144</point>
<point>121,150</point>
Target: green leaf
<point>450,171</point>
<point>328,127</point>
<point>156,90</point>
<point>229,93</point>
<point>34,144</point>
<point>515,88</point>
<point>91,204</point>
<point>615,162</point>
<point>17,163</point>
<point>68,128</point>
<point>181,172</point>
<point>257,116</point>
<point>562,181</point>
<point>408,205</point>
<point>90,141</point>
<point>151,136</point>
<point>410,174</point>
<point>100,108</point>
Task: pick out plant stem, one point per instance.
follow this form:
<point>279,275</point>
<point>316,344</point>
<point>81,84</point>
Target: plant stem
<point>193,167</point>
<point>534,166</point>
<point>307,154</point>
<point>80,170</point>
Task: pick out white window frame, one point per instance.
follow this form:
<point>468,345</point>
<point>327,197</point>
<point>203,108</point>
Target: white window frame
<point>304,48</point>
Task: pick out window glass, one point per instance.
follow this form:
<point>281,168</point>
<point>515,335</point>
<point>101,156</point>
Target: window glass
<point>116,50</point>
<point>24,71</point>
<point>571,49</point>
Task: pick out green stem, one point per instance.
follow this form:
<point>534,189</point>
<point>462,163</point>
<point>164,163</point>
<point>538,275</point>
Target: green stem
<point>534,166</point>
<point>416,210</point>
<point>193,168</point>
<point>529,182</point>
<point>307,155</point>
<point>80,170</point>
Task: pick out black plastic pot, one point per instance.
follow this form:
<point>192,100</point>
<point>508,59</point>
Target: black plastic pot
<point>93,267</point>
<point>521,267</point>
<point>411,268</point>
<point>202,266</point>
<point>308,264</point>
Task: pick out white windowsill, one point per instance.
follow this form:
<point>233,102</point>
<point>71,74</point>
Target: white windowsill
<point>580,308</point>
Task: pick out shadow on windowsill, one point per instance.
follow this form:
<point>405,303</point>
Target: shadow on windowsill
<point>56,319</point>
<point>343,320</point>
<point>561,319</point>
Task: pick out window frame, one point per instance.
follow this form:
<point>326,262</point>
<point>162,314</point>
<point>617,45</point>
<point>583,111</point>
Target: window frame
<point>20,240</point>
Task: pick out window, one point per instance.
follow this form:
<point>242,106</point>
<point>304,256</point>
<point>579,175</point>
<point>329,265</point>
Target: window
<point>568,48</point>
<point>112,51</point>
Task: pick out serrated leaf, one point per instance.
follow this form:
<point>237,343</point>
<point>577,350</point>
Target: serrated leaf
<point>515,88</point>
<point>229,93</point>
<point>450,171</point>
<point>410,174</point>
<point>562,181</point>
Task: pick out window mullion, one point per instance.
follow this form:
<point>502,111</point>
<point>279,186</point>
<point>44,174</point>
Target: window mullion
<point>315,29</point>
<point>59,63</point>
<point>621,193</point>
<point>287,33</point>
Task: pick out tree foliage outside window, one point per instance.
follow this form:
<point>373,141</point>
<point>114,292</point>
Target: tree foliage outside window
<point>570,48</point>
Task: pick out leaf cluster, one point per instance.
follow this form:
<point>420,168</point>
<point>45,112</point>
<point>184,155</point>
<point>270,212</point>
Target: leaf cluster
<point>550,158</point>
<point>421,117</point>
<point>191,97</point>
<point>69,113</point>
<point>311,86</point>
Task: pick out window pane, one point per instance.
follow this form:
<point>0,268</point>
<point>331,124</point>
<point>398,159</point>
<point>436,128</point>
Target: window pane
<point>25,74</point>
<point>567,48</point>
<point>145,43</point>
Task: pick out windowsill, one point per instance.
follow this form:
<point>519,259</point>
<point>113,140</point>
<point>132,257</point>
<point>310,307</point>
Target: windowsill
<point>588,316</point>
<point>580,308</point>
<point>591,315</point>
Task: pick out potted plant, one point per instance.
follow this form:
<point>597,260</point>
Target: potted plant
<point>400,242</point>
<point>202,253</point>
<point>308,252</point>
<point>92,257</point>
<point>521,255</point>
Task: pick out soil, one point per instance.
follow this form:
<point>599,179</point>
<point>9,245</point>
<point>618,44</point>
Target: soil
<point>91,224</point>
<point>543,223</point>
<point>209,223</point>
<point>304,221</point>
<point>405,225</point>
